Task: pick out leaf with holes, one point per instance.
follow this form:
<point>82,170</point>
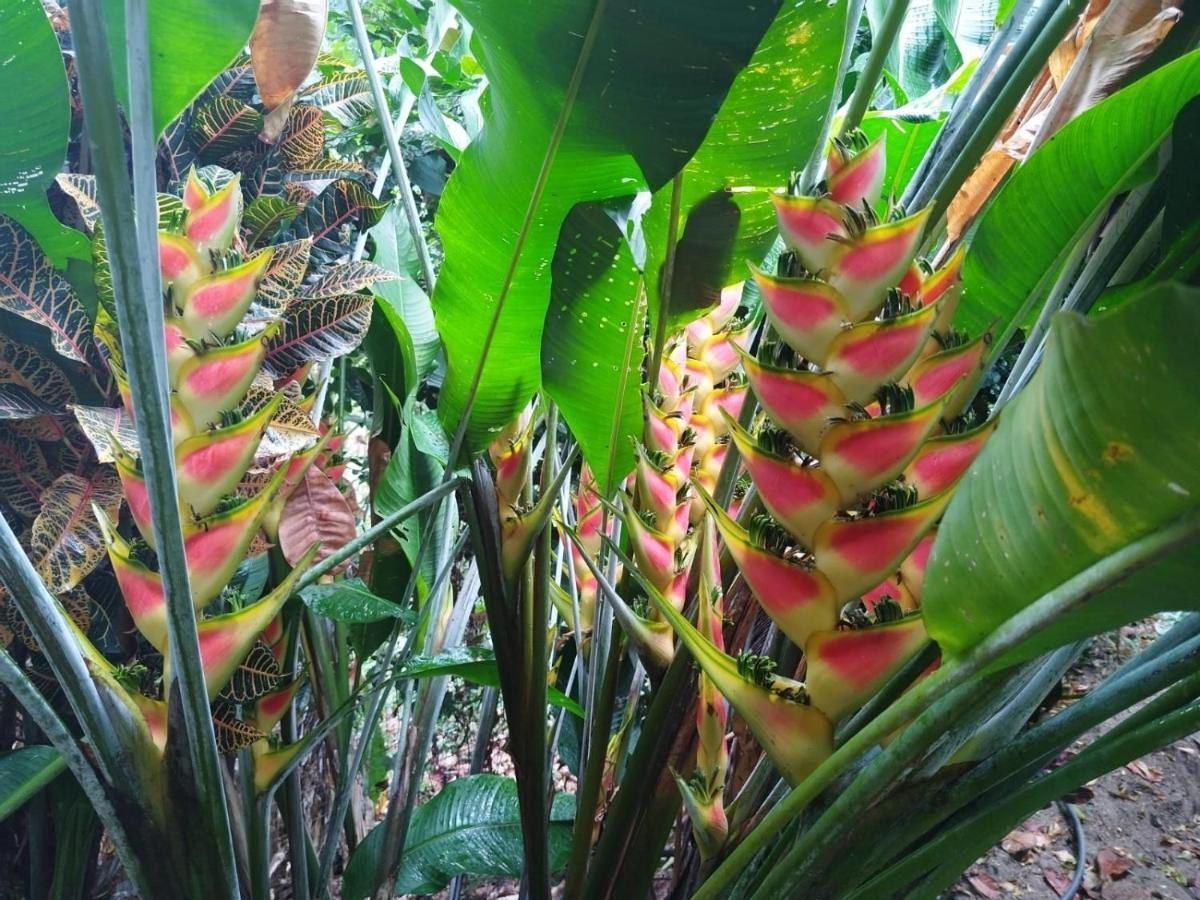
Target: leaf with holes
<point>304,137</point>
<point>97,422</point>
<point>65,541</point>
<point>264,216</point>
<point>258,675</point>
<point>331,216</point>
<point>82,191</point>
<point>316,512</point>
<point>347,278</point>
<point>345,96</point>
<point>24,473</point>
<point>285,271</point>
<point>34,290</point>
<point>223,125</point>
<point>317,328</point>
<point>30,384</point>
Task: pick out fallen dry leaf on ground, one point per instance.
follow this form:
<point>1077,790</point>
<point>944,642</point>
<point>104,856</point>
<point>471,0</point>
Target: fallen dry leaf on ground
<point>1139,768</point>
<point>985,885</point>
<point>1111,864</point>
<point>1020,842</point>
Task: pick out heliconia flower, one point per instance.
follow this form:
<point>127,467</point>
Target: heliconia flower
<point>847,667</point>
<point>698,380</point>
<point>856,554</point>
<point>270,762</point>
<point>912,570</point>
<point>863,268</point>
<point>858,181</point>
<point>802,403</point>
<point>215,546</point>
<point>270,708</point>
<point>806,223</point>
<point>706,812</point>
<point>807,314</point>
<point>796,736</point>
<point>860,456</point>
<point>294,470</point>
<point>179,350</point>
<point>718,355</point>
<point>195,194</point>
<point>731,299</point>
<point>722,402</point>
<point>216,381</point>
<point>210,464</point>
<point>892,587</point>
<point>662,428</point>
<point>935,375</point>
<point>800,497</point>
<point>225,640</point>
<point>945,287</point>
<point>154,714</point>
<point>653,549</point>
<point>712,751</point>
<point>510,455</point>
<point>942,460</point>
<point>141,588</point>
<point>273,636</point>
<point>798,597</point>
<point>869,354</point>
<point>657,490</point>
<point>134,487</point>
<point>910,283</point>
<point>178,260</point>
<point>212,224</point>
<point>214,304</point>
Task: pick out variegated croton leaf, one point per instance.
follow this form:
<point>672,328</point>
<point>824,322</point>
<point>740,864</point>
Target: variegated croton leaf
<point>31,288</point>
<point>233,734</point>
<point>223,125</point>
<point>264,216</point>
<point>82,191</point>
<point>66,542</point>
<point>316,328</point>
<point>24,472</point>
<point>258,675</point>
<point>98,422</point>
<point>345,96</point>
<point>280,281</point>
<point>304,136</point>
<point>347,278</point>
<point>30,384</point>
<point>328,219</point>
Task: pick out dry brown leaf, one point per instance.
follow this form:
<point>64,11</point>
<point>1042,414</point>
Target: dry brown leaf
<point>985,885</point>
<point>1058,881</point>
<point>1020,842</point>
<point>316,512</point>
<point>1112,864</point>
<point>283,48</point>
<point>1139,768</point>
<point>975,191</point>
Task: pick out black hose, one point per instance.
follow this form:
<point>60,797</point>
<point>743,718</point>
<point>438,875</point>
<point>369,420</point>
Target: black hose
<point>1080,842</point>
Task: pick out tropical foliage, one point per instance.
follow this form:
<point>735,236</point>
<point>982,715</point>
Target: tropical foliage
<point>740,415</point>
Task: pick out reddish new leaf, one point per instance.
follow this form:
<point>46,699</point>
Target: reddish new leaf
<point>316,512</point>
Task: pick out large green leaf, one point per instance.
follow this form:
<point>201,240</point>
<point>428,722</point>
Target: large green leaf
<point>191,42</point>
<point>470,827</point>
<point>23,773</point>
<point>350,601</point>
<point>477,665</point>
<point>766,129</point>
<point>654,79</point>
<point>394,251</point>
<point>1048,203</point>
<point>1097,451</point>
<point>35,110</point>
<point>592,349</point>
<point>908,139</point>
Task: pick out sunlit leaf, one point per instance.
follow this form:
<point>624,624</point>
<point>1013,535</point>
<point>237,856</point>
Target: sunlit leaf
<point>304,137</point>
<point>404,297</point>
<point>329,218</point>
<point>350,601</point>
<point>345,96</point>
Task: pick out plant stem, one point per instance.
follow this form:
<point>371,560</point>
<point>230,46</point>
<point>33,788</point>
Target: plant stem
<point>868,79</point>
<point>668,279</point>
<point>955,671</point>
<point>408,200</point>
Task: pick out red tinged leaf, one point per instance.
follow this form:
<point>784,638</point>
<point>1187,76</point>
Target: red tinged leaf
<point>270,709</point>
<point>801,403</point>
<point>215,546</point>
<point>806,223</point>
<point>861,456</point>
<point>212,224</point>
<point>1112,864</point>
<point>316,513</point>
<point>857,554</point>
<point>864,268</point>
<point>912,570</point>
<point>800,496</point>
<point>214,304</point>
<point>178,260</point>
<point>799,599</point>
<point>807,314</point>
<point>847,668</point>
<point>859,180</point>
<point>943,460</point>
<point>210,464</point>
<point>985,885</point>
<point>214,382</point>
<point>870,354</point>
<point>938,375</point>
<point>510,454</point>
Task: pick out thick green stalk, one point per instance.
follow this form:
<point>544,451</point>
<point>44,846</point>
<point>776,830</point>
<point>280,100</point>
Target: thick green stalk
<point>668,278</point>
<point>133,258</point>
<point>954,849</point>
<point>868,78</point>
<point>812,169</point>
<point>40,711</point>
<point>1055,603</point>
<point>987,115</point>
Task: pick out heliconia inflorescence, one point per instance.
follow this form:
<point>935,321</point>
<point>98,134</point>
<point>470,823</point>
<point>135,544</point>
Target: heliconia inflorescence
<point>215,355</point>
<point>850,460</point>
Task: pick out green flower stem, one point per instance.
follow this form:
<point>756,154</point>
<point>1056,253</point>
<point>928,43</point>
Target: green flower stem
<point>40,711</point>
<point>954,672</point>
<point>668,278</point>
<point>133,256</point>
<point>816,161</point>
<point>868,78</point>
